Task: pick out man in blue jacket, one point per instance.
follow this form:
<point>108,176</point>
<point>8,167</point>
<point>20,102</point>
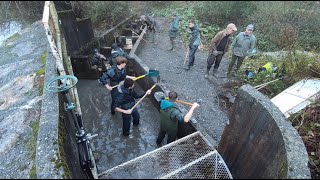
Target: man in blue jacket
<point>170,116</point>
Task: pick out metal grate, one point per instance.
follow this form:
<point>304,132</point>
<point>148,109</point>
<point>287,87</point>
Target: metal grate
<point>191,157</point>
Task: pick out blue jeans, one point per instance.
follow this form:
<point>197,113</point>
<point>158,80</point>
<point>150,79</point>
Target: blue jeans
<point>192,51</point>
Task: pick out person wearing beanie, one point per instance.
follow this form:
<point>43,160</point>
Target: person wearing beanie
<point>241,46</point>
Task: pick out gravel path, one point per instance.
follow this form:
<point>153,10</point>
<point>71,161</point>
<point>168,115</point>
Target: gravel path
<point>191,85</point>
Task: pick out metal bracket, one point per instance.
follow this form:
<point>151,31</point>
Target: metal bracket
<point>70,106</point>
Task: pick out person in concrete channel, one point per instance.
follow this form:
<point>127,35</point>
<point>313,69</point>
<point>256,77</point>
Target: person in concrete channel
<point>116,51</point>
<point>113,77</point>
<point>241,45</point>
<point>151,24</point>
<point>173,30</point>
<point>170,116</point>
<point>98,61</point>
<point>125,101</point>
<point>218,47</point>
<point>195,41</point>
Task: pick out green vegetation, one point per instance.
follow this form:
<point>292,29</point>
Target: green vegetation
<point>279,26</point>
<point>24,12</point>
<point>33,148</point>
<point>12,38</point>
<point>307,123</point>
<point>43,59</point>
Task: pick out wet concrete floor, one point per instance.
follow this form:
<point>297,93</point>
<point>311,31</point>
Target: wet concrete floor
<point>111,147</point>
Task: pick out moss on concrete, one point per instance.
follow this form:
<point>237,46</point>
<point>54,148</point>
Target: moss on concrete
<point>32,146</point>
<point>43,59</point>
<point>13,38</point>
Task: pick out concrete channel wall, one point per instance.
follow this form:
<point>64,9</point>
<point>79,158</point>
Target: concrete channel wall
<point>260,142</point>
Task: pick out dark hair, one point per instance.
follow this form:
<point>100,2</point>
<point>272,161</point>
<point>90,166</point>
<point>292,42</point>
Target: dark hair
<point>173,95</point>
<point>121,60</point>
<point>128,82</point>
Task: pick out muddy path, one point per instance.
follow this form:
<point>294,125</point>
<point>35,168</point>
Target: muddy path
<point>191,85</point>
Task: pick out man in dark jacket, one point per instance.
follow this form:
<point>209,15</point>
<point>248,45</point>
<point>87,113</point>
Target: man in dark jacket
<point>113,77</point>
<point>116,51</point>
<point>98,61</point>
<point>151,24</point>
<point>173,30</point>
<point>219,45</point>
<point>194,42</point>
<point>124,102</point>
<point>170,116</point>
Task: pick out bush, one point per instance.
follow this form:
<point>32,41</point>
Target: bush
<point>288,25</point>
<point>224,12</point>
<point>107,11</point>
<point>24,12</point>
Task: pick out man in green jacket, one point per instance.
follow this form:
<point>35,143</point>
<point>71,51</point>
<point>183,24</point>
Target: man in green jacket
<point>170,116</point>
<point>241,47</point>
<point>173,30</point>
<point>219,45</point>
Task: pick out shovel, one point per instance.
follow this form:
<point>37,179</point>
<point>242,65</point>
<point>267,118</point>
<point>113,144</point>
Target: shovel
<point>151,73</point>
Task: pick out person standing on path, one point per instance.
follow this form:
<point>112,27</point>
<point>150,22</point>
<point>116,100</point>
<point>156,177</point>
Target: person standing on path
<point>173,30</point>
<point>219,45</point>
<point>194,42</point>
<point>241,45</point>
<point>98,61</point>
<point>170,116</point>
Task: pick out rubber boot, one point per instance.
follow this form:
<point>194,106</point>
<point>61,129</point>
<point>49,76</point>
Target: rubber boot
<point>207,73</point>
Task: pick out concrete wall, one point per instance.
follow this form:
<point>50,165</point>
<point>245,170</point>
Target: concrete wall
<point>259,142</point>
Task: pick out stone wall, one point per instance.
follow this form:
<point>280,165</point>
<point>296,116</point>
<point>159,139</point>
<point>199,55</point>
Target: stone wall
<point>260,142</point>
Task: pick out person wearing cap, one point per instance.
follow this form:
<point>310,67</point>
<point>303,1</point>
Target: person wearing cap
<point>219,45</point>
<point>240,47</point>
<point>98,61</point>
<point>173,30</point>
<point>116,51</point>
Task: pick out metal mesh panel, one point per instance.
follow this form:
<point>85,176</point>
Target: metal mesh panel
<point>189,157</point>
